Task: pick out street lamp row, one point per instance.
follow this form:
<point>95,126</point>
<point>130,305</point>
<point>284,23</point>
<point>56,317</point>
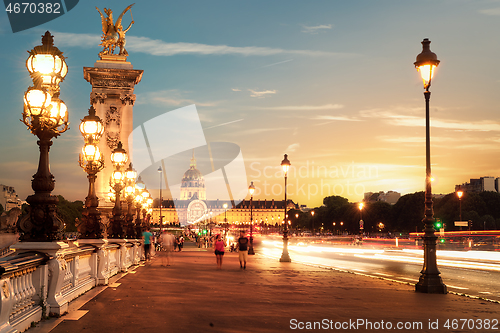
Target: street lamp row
<point>46,116</point>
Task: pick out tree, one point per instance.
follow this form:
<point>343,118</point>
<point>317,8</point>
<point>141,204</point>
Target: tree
<point>408,212</point>
<point>68,211</point>
<point>488,222</point>
<point>492,202</point>
<point>378,212</point>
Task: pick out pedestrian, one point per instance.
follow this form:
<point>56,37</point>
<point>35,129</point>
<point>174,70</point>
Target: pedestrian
<point>219,250</point>
<point>147,235</point>
<point>181,243</point>
<point>167,243</point>
<point>176,241</point>
<point>243,250</point>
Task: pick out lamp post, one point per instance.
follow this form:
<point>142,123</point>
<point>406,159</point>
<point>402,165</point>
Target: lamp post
<point>361,223</point>
<point>92,161</point>
<point>130,192</point>
<point>251,189</point>
<point>225,220</point>
<point>46,116</point>
<point>161,198</point>
<point>460,193</point>
<point>147,209</point>
<point>429,281</point>
<point>312,222</point>
<point>118,158</point>
<point>139,201</point>
<point>285,257</point>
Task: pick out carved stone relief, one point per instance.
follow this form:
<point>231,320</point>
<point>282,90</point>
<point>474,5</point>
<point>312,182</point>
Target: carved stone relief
<point>111,83</point>
<point>113,126</point>
<point>127,99</point>
<point>97,97</point>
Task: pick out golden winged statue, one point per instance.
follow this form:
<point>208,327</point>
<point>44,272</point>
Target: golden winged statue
<point>113,34</point>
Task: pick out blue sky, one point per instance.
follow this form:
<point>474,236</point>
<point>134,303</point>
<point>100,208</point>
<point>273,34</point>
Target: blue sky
<point>331,83</point>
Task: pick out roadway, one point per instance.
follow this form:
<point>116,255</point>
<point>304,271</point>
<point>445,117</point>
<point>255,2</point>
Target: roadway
<point>475,273</point>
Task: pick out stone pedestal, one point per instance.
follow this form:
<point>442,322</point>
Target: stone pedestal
<point>113,80</point>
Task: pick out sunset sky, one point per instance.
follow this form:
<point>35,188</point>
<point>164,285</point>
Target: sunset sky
<point>330,83</point>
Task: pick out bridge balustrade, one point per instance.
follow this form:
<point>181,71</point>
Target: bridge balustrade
<point>37,283</point>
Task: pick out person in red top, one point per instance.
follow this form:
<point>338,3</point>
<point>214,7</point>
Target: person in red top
<point>219,250</point>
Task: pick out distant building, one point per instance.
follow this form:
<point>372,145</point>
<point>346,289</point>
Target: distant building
<point>9,198</point>
<point>390,197</point>
<point>482,184</point>
<point>193,206</point>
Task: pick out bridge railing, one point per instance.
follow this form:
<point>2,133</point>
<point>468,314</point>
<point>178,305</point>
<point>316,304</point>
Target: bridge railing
<point>41,279</point>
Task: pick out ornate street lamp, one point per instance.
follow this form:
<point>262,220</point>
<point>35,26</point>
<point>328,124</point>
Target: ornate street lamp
<point>139,200</point>
<point>46,116</point>
<point>285,257</point>
<point>430,281</point>
<point>118,158</point>
<point>146,206</point>
<point>251,189</point>
<point>130,191</point>
<point>92,161</point>
<point>47,65</point>
<point>91,126</point>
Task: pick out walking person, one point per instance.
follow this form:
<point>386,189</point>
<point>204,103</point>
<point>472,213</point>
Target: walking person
<point>167,244</point>
<point>147,235</point>
<point>243,250</point>
<point>219,250</point>
<point>181,243</point>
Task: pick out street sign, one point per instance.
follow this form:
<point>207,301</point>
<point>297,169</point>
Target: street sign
<point>461,223</point>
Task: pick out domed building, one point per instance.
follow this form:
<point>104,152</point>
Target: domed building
<point>193,206</point>
<point>193,184</point>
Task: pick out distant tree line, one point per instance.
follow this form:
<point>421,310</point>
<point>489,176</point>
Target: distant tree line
<point>482,209</point>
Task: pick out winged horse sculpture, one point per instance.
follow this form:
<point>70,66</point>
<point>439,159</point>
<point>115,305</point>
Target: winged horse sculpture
<point>113,35</point>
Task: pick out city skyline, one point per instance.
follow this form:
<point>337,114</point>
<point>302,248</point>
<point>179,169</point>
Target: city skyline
<point>331,84</point>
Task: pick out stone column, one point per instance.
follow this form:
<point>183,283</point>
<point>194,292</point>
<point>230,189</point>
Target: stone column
<point>113,80</point>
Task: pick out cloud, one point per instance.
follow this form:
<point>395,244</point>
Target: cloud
<point>158,47</point>
<point>223,124</point>
<point>235,89</point>
<point>491,11</point>
<point>258,131</point>
<point>293,147</point>
<point>316,29</point>
<point>304,107</point>
<point>399,119</point>
<point>170,97</point>
<point>261,94</point>
<point>77,40</point>
<point>277,63</point>
<point>340,118</point>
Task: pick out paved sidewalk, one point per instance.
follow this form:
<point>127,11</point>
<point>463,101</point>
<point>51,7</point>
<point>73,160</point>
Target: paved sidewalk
<point>193,296</point>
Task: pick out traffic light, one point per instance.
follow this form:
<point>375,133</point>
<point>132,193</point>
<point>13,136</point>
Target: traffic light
<point>438,225</point>
<point>442,240</point>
